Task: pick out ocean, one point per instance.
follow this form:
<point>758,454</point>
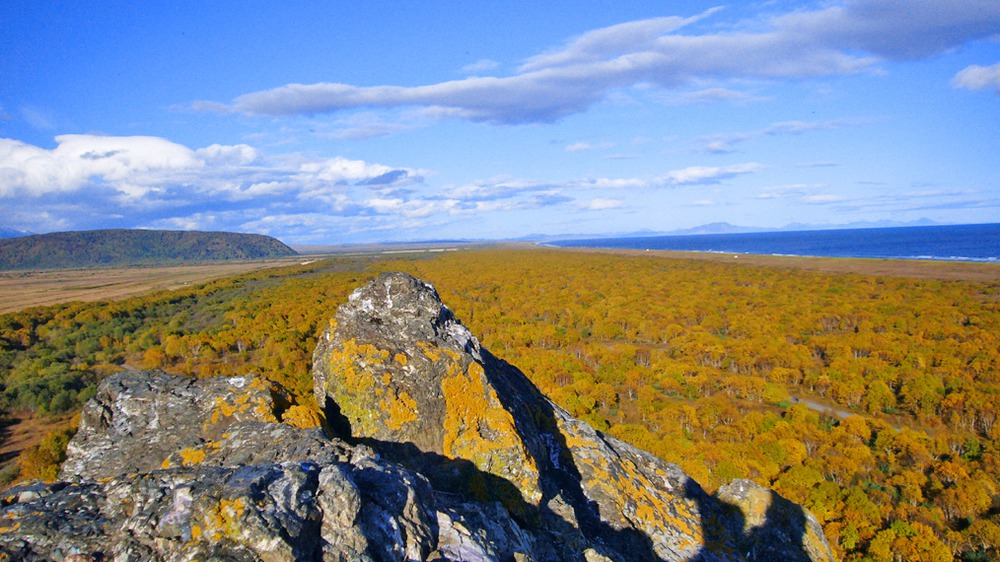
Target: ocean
<point>968,242</point>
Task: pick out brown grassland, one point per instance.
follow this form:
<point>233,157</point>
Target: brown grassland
<point>25,289</point>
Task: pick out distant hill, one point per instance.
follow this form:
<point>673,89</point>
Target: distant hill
<point>134,247</point>
<point>11,233</point>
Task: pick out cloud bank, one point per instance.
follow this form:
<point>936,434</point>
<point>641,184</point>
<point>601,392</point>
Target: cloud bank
<point>92,181</point>
<point>850,37</point>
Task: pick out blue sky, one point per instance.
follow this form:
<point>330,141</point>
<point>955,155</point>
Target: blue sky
<point>335,122</point>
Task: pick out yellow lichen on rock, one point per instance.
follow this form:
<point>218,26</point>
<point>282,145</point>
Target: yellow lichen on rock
<point>192,456</point>
<point>478,429</point>
<point>351,366</point>
<point>632,492</point>
<point>401,409</point>
<point>263,399</point>
<point>256,398</point>
<point>224,519</point>
<point>302,417</point>
<point>343,364</point>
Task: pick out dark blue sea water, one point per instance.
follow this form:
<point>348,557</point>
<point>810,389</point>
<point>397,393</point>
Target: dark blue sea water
<point>970,242</point>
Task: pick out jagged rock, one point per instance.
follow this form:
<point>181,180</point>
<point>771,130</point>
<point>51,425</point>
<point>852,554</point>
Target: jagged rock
<point>140,421</point>
<point>442,452</point>
<point>402,370</point>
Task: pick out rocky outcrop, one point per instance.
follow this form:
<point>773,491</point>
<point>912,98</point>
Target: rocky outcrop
<point>434,450</point>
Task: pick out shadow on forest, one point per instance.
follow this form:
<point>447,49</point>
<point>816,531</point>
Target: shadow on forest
<point>780,537</point>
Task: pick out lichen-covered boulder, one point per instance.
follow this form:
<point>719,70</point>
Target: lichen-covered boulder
<point>267,512</point>
<point>400,369</point>
<point>144,420</point>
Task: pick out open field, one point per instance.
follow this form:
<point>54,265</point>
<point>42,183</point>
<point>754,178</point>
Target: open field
<point>24,431</point>
<point>24,289</point>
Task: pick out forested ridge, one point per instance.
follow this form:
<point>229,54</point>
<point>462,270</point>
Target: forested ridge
<point>697,362</point>
<point>133,247</point>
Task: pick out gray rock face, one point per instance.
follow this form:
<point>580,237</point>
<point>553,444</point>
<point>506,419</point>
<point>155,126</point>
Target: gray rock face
<point>441,452</point>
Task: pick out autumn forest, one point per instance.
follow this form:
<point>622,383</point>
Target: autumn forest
<point>869,399</point>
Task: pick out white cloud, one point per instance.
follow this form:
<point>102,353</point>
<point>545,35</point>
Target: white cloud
<point>132,163</point>
<point>618,40</point>
<point>614,183</point>
<point>842,39</point>
<point>719,147</point>
<point>708,174</point>
<point>196,221</point>
<point>98,181</point>
<point>586,146</point>
<point>977,77</point>
<point>822,199</point>
<point>896,29</point>
<point>481,65</point>
<point>143,168</point>
<point>601,204</point>
<point>240,154</point>
<point>367,125</point>
<point>339,170</point>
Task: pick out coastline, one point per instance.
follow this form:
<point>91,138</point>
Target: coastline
<point>941,270</point>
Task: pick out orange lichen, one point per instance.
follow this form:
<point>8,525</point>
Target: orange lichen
<point>302,417</point>
<point>256,398</point>
<point>400,358</point>
<point>401,409</point>
<point>192,456</point>
<point>356,390</point>
<point>224,519</point>
<point>631,490</point>
<point>478,429</point>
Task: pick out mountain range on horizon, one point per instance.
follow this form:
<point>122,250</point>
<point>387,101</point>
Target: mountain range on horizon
<point>728,228</point>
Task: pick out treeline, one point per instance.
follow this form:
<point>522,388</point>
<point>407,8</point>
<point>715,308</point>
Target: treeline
<point>697,362</point>
<point>95,248</point>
